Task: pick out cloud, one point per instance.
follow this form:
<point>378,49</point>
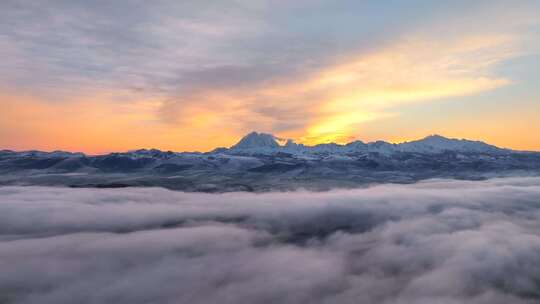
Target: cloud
<point>437,241</point>
<point>331,101</point>
<point>243,65</point>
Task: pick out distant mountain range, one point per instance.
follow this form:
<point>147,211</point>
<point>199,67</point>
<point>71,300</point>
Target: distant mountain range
<point>262,143</point>
<point>259,163</point>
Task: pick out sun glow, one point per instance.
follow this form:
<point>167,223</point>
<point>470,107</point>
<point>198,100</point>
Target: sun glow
<point>331,104</point>
<point>367,87</point>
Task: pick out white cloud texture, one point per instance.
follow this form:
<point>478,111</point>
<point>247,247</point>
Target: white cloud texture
<point>432,242</point>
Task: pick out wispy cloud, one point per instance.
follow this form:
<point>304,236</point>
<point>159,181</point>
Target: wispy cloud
<point>239,66</point>
<point>329,103</point>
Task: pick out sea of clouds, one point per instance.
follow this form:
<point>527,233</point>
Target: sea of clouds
<point>438,241</point>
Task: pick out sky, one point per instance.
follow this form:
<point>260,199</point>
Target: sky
<point>101,76</point>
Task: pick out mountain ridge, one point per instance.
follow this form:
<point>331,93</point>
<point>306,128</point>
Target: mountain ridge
<point>268,143</point>
<point>259,163</point>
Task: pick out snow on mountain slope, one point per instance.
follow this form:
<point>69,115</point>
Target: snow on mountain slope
<point>261,143</point>
<point>437,144</point>
<point>259,163</point>
<point>258,142</point>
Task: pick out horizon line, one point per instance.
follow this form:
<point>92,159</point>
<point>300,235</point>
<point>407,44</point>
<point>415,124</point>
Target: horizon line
<point>248,133</point>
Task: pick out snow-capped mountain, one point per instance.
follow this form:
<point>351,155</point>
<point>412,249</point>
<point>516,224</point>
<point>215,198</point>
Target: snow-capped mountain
<point>438,144</point>
<point>262,143</point>
<point>257,141</point>
<point>259,163</point>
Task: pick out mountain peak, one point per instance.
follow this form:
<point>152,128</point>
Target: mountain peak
<point>256,140</point>
<point>438,143</point>
<point>436,137</point>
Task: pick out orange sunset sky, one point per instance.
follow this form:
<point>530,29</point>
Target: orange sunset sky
<point>102,76</point>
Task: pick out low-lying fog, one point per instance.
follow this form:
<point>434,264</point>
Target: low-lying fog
<point>433,242</point>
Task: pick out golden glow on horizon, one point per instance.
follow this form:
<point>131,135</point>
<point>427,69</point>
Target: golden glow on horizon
<point>365,88</point>
<point>330,105</point>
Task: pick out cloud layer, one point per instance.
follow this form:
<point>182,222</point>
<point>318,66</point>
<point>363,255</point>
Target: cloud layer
<point>434,242</point>
<point>172,73</point>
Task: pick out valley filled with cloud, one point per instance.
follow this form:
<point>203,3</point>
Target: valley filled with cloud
<point>437,241</point>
